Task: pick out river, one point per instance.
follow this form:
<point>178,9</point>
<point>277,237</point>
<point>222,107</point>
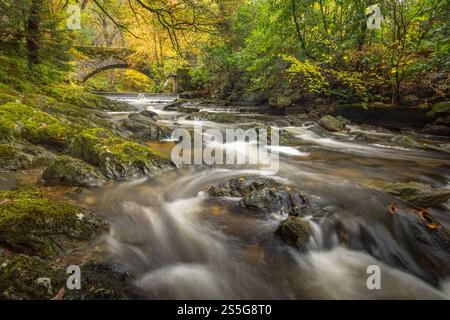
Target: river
<point>182,244</point>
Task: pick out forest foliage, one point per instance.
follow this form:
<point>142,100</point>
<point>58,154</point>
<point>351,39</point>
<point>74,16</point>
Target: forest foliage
<point>317,47</point>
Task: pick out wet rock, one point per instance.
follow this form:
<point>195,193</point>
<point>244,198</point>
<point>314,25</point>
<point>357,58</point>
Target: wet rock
<point>437,130</point>
<point>404,141</point>
<point>283,135</point>
<point>331,123</point>
<point>343,120</point>
<point>117,158</point>
<point>364,137</point>
<point>215,117</point>
<point>18,157</point>
<point>409,100</point>
<point>296,232</point>
<point>46,228</point>
<point>73,172</point>
<point>237,187</point>
<point>440,109</point>
<point>28,277</point>
<point>255,98</point>
<point>280,101</point>
<point>417,193</point>
<point>262,194</point>
<point>143,126</point>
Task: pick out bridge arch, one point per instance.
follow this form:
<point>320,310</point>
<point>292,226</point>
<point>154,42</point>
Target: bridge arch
<point>89,68</point>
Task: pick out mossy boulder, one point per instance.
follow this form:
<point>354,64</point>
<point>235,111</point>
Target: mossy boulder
<point>117,158</point>
<point>33,225</point>
<point>28,277</point>
<point>331,123</point>
<point>417,193</point>
<point>17,157</point>
<point>20,121</point>
<point>440,109</point>
<point>296,232</point>
<point>404,141</point>
<point>69,171</point>
<point>143,126</point>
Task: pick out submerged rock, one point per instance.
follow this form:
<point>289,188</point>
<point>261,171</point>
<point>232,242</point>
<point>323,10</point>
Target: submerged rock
<point>117,158</point>
<point>295,231</point>
<point>417,193</point>
<point>34,225</point>
<point>331,123</point>
<point>262,194</point>
<point>404,141</point>
<point>73,172</point>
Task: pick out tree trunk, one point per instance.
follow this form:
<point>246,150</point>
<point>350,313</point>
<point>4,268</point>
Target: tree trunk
<point>33,36</point>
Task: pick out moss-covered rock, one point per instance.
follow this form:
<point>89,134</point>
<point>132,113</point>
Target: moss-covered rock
<point>417,193</point>
<point>331,123</point>
<point>44,227</point>
<point>17,157</point>
<point>143,126</point>
<point>295,231</point>
<point>117,158</point>
<point>21,194</point>
<point>29,277</point>
<point>20,121</point>
<point>69,171</point>
<point>404,141</point>
<point>440,109</point>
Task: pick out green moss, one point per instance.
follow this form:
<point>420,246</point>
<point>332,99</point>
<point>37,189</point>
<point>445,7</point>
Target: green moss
<point>33,125</point>
<point>117,158</point>
<point>25,277</point>
<point>440,108</point>
<point>29,277</point>
<point>45,227</point>
<point>21,194</point>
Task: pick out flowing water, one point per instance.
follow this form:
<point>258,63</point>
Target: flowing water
<point>180,243</point>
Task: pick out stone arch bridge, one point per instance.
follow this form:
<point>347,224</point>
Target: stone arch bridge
<point>95,59</point>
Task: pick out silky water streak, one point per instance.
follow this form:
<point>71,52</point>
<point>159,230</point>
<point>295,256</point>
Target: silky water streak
<point>229,147</point>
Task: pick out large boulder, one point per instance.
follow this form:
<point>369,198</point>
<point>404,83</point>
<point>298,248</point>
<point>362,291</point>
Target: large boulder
<point>255,98</point>
<point>417,193</point>
<point>18,157</point>
<point>34,225</point>
<point>440,109</point>
<point>280,101</point>
<point>70,171</point>
<point>296,232</point>
<point>143,126</point>
<point>331,123</point>
<point>20,122</point>
<point>117,158</point>
<point>436,130</point>
<point>262,194</point>
<point>29,277</point>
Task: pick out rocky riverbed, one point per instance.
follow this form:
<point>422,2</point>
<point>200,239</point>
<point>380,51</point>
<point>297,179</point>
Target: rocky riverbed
<point>95,187</point>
